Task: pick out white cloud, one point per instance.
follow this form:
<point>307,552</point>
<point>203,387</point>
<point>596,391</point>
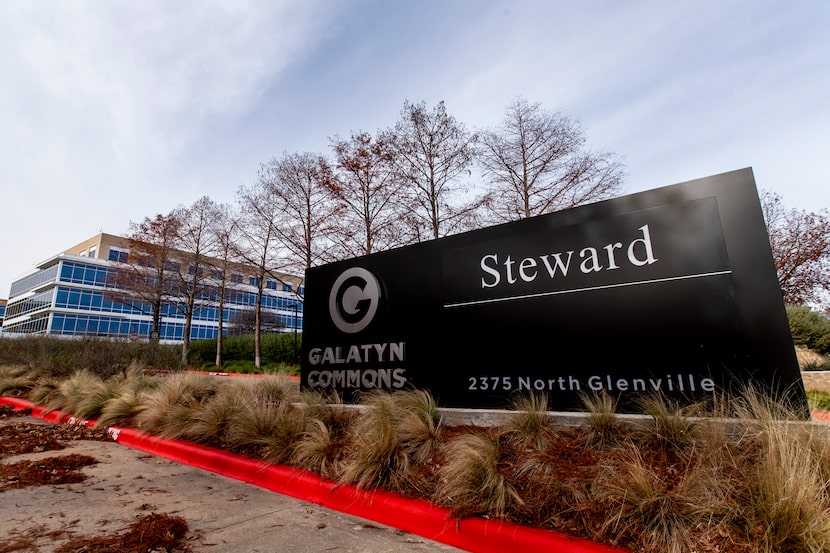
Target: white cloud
<point>101,102</point>
<point>112,111</point>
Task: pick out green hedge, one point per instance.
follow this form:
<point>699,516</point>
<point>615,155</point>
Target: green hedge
<point>61,356</point>
<point>277,349</point>
<point>809,328</point>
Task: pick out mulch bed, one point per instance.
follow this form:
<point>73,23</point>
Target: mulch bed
<point>50,471</point>
<point>153,532</point>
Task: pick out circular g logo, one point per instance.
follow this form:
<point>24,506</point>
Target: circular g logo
<point>353,300</point>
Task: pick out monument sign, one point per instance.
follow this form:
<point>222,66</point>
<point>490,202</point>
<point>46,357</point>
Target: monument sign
<point>671,290</point>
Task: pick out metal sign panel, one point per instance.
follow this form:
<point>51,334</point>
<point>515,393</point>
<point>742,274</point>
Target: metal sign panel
<point>671,290</point>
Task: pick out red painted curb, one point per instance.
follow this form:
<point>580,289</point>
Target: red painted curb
<point>223,373</point>
<point>411,515</point>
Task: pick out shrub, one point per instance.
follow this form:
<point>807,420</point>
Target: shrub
<point>61,357</point>
<point>815,365</point>
<point>809,328</point>
<point>819,400</point>
<point>277,349</point>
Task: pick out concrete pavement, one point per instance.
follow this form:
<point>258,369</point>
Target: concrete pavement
<point>223,515</point>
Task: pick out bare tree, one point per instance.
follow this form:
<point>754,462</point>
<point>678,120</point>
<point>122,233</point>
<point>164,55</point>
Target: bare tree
<point>145,280</point>
<point>194,243</point>
<point>261,215</point>
<point>301,184</point>
<point>432,152</point>
<point>224,228</point>
<point>536,163</point>
<point>800,243</point>
<point>365,182</point>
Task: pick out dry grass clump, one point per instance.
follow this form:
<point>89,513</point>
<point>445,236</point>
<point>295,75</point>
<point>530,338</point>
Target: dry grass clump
<point>17,380</point>
<point>659,506</point>
<point>530,428</point>
<point>787,495</point>
<point>317,450</point>
<point>167,410</point>
<point>212,422</point>
<point>418,424</point>
<point>602,424</point>
<point>46,392</point>
<point>86,395</point>
<point>758,482</point>
<point>740,475</point>
<point>288,425</point>
<point>276,389</point>
<point>266,420</point>
<point>72,391</point>
<point>121,409</point>
<point>93,401</point>
<point>390,443</point>
<point>375,457</point>
<point>470,481</point>
<point>670,426</point>
<point>321,445</point>
<point>786,489</point>
<point>327,408</point>
<point>128,400</point>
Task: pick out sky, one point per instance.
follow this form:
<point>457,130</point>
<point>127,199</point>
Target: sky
<point>114,111</point>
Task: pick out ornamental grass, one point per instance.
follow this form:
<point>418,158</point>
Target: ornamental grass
<point>742,475</point>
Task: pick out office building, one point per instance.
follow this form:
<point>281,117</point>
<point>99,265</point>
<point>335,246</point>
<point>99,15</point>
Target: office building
<point>72,294</point>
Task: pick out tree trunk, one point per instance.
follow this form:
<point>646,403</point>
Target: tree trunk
<point>258,324</point>
<point>188,324</point>
<point>221,325</point>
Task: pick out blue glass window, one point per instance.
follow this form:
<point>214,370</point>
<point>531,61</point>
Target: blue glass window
<point>117,255</point>
<point>33,281</point>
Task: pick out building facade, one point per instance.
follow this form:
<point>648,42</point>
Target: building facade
<point>72,294</point>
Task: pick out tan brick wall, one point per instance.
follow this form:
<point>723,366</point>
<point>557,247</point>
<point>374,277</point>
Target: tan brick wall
<point>816,380</point>
<point>101,242</point>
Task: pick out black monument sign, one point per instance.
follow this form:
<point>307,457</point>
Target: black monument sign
<point>671,290</point>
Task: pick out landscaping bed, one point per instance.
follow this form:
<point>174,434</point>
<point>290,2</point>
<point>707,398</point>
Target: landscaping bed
<point>671,482</point>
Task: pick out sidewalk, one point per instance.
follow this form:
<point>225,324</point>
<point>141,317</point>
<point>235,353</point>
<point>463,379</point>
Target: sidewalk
<point>223,515</point>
